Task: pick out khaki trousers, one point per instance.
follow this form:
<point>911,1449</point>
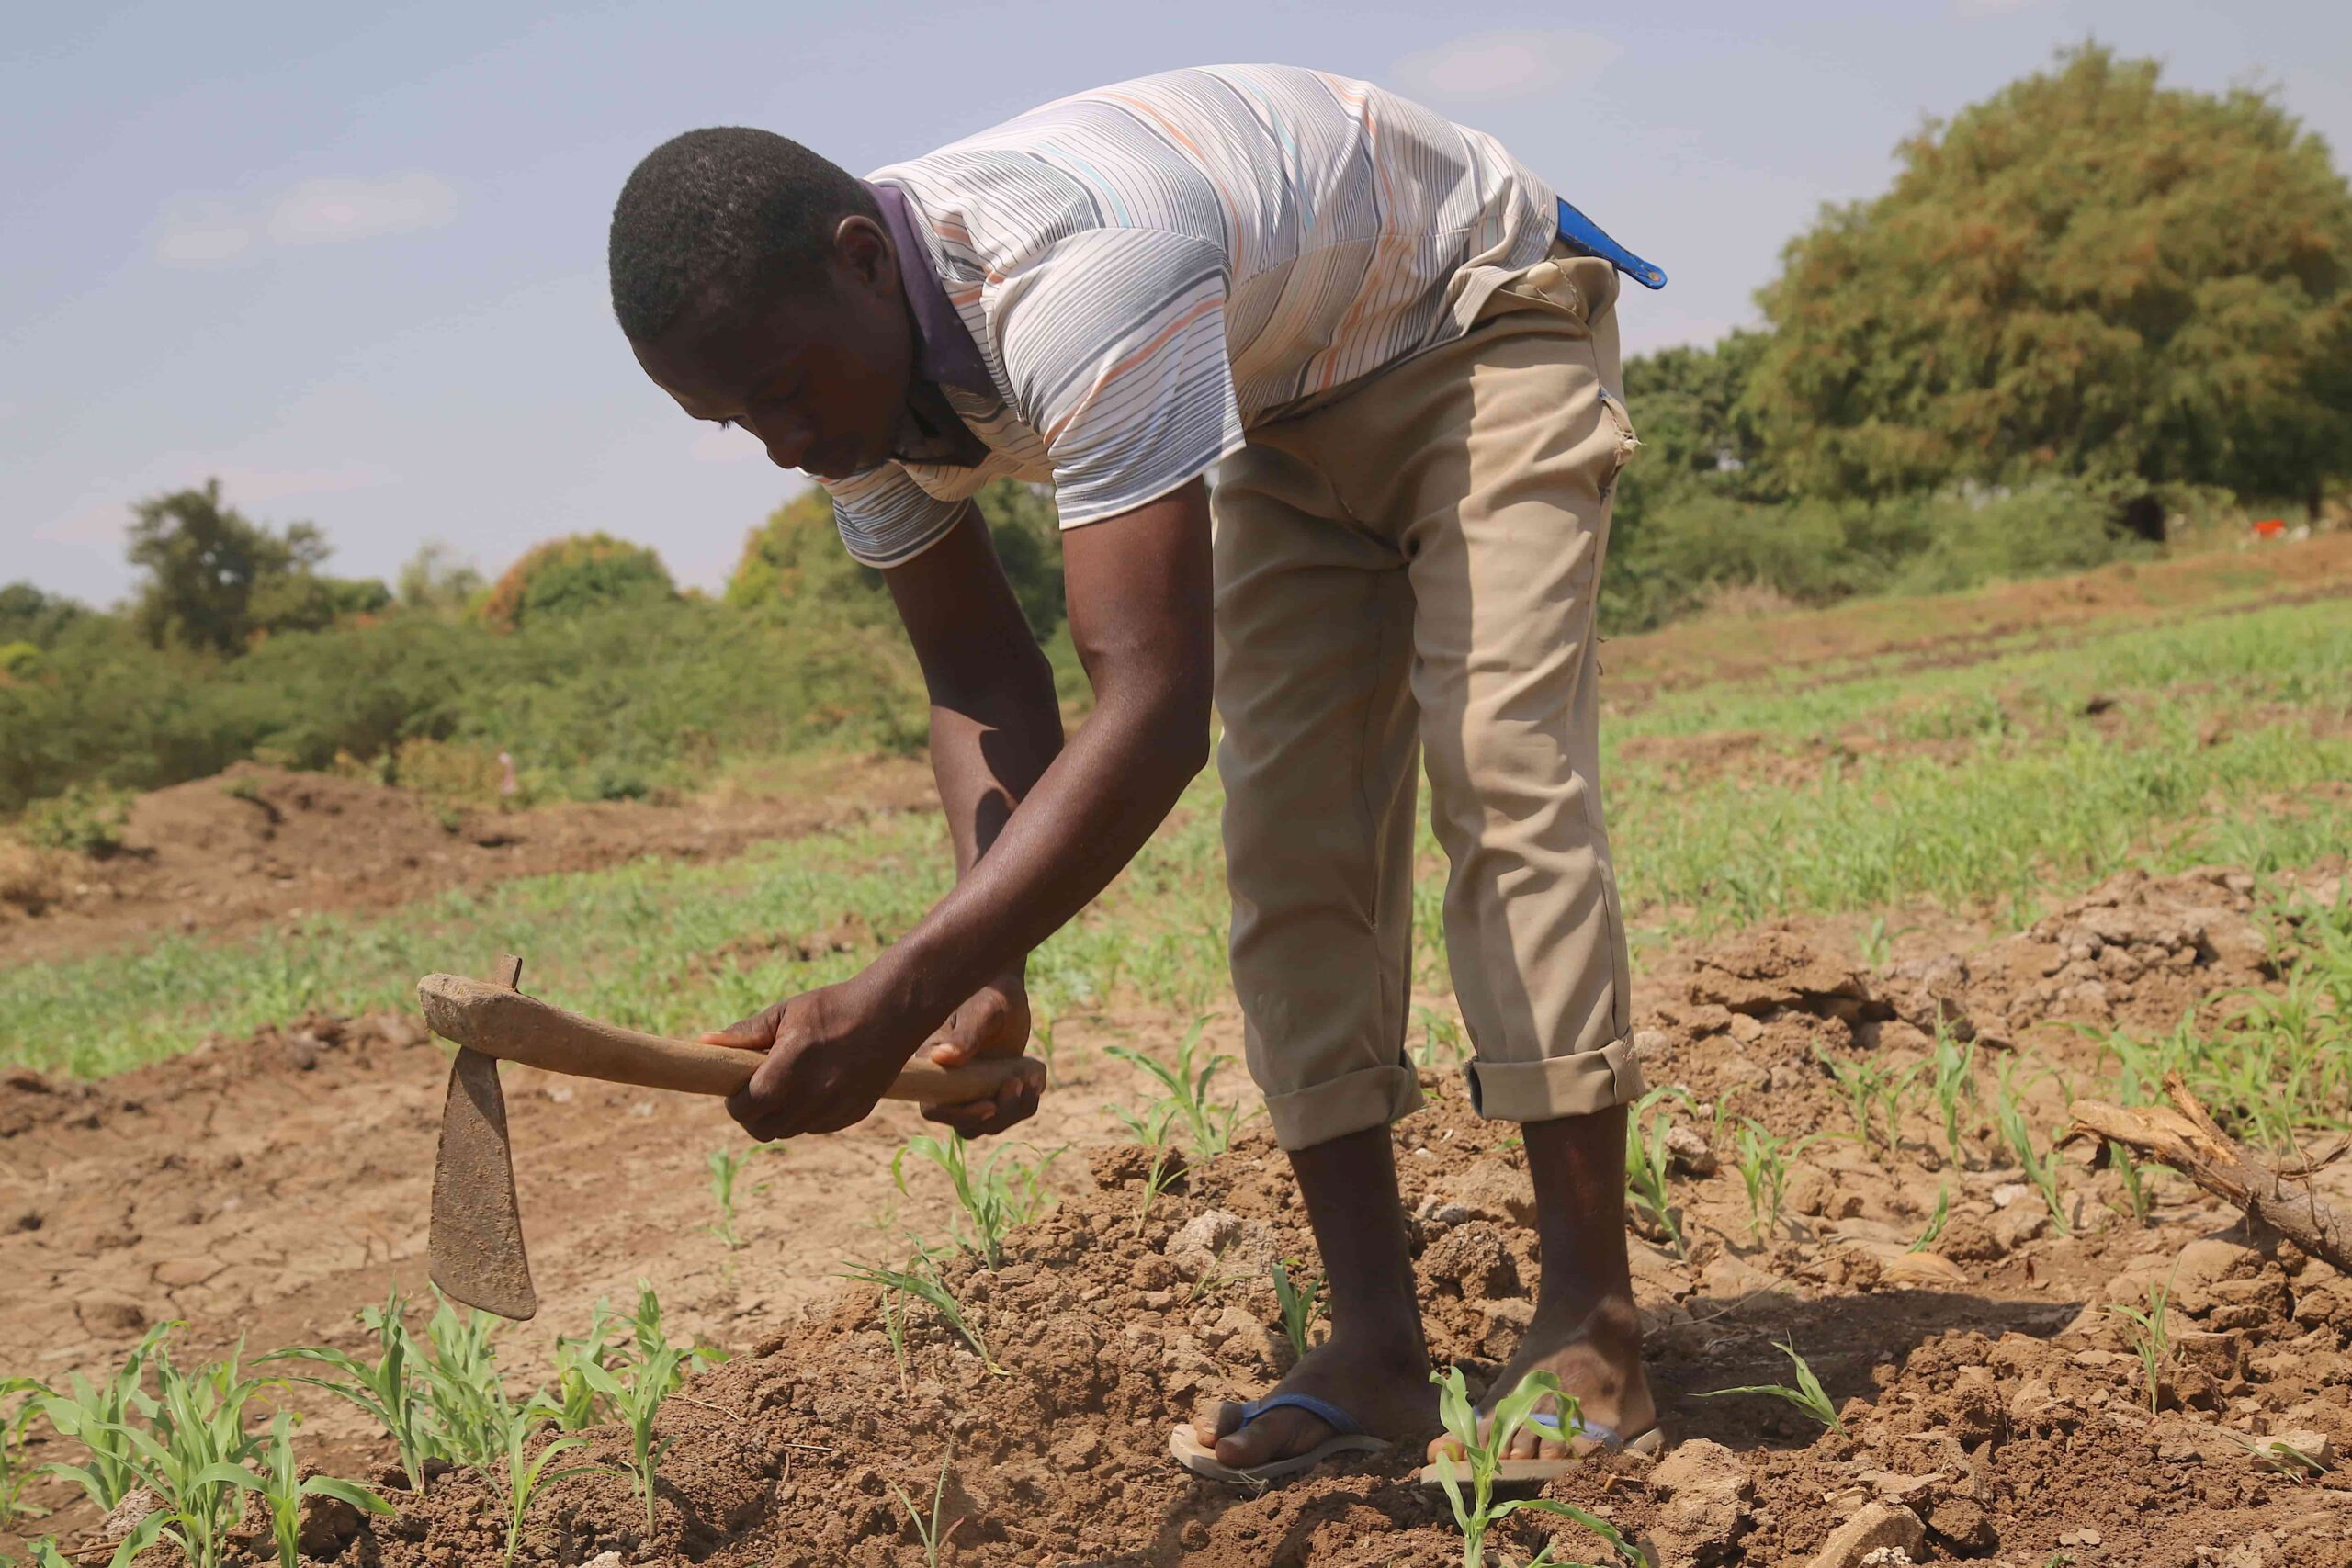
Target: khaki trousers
<point>1411,567</point>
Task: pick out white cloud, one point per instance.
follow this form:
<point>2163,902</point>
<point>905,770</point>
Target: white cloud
<point>1508,64</point>
<point>317,211</point>
<point>729,443</point>
<point>200,230</point>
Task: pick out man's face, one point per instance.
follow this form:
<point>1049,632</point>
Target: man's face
<point>818,372</point>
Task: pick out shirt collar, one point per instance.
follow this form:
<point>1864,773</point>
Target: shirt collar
<point>945,352</point>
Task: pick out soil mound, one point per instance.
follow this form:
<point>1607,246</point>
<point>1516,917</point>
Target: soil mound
<point>258,844</point>
<point>1992,1409</point>
<point>1992,1419</point>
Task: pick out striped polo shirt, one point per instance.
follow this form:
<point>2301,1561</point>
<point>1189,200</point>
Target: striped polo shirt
<point>1148,269</point>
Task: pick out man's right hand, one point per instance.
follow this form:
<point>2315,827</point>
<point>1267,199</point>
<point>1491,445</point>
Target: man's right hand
<point>992,1023</point>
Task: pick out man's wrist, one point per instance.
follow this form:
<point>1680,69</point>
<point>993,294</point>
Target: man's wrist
<point>919,984</point>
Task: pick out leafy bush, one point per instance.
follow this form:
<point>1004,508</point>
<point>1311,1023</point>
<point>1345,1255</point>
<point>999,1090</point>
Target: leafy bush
<point>574,574</point>
<point>611,703</point>
<point>30,616</point>
<point>85,820</point>
<point>1671,546</point>
<point>794,566</point>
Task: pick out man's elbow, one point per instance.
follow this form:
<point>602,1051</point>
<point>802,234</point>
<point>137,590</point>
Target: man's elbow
<point>1181,737</point>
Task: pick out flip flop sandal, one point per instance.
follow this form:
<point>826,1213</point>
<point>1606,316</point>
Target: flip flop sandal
<point>1347,1438</point>
<point>1650,1441</point>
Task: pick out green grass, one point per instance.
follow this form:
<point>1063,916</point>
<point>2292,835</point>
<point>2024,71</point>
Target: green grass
<point>2037,803</point>
<point>2296,653</point>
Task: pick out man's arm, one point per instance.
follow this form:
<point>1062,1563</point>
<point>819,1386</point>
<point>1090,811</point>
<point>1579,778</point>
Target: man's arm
<point>995,726</point>
<point>1140,614</point>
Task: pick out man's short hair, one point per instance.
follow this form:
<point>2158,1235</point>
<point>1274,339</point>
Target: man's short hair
<point>709,215</point>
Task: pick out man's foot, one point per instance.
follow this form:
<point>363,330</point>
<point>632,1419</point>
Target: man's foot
<point>1386,1388</point>
<point>1596,1352</point>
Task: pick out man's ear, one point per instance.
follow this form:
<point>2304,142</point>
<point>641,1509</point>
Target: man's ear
<point>865,255</point>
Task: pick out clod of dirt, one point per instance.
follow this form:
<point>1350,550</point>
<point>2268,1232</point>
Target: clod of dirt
<point>1875,1527</point>
<point>1921,1271</point>
<point>1773,971</point>
<point>1221,1242</point>
<point>1961,1524</point>
<point>1493,1190</point>
<point>1967,1239</point>
<point>1687,1151</point>
<point>106,1313</point>
<point>1131,1164</point>
<point>136,1505</point>
<point>1708,1490</point>
<point>327,1525</point>
<point>1473,1259</point>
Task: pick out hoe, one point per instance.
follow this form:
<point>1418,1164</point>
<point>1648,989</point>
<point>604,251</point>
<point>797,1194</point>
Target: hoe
<point>477,1246</point>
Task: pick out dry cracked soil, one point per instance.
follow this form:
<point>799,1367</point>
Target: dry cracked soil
<point>1993,1410</point>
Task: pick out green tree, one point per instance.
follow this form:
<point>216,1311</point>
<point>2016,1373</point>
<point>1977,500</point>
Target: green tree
<point>1026,531</point>
<point>436,579</point>
<point>215,579</point>
<point>794,563</point>
<point>2088,275</point>
<point>1695,424</point>
<point>28,615</point>
<point>578,573</point>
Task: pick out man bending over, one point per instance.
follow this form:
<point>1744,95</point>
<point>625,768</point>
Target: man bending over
<point>1397,351</point>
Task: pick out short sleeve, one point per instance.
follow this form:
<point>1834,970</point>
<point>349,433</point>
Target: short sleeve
<point>886,518</point>
<point>1114,344</point>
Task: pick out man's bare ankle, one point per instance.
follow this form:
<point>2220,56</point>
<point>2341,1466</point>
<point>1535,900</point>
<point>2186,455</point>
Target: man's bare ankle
<point>1381,1342</point>
<point>1609,1316</point>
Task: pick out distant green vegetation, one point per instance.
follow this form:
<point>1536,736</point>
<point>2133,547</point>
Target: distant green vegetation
<point>2210,752</point>
<point>2086,303</point>
<point>582,661</point>
<point>573,576</point>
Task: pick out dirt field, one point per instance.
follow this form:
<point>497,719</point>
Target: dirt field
<point>262,1190</point>
<point>259,846</point>
<point>1986,1393</point>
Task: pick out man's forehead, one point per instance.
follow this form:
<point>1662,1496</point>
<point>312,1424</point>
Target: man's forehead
<point>720,360</point>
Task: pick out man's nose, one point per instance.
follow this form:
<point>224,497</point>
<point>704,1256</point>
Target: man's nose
<point>788,439</point>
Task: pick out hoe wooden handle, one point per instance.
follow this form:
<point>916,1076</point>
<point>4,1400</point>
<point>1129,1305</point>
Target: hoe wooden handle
<point>516,1028</point>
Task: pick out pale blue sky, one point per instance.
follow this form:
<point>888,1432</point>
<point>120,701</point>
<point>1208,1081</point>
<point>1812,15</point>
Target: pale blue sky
<point>354,265</point>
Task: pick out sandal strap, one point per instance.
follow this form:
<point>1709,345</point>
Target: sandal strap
<point>1339,1420</point>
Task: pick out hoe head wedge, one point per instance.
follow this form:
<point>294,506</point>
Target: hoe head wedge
<point>477,1237</point>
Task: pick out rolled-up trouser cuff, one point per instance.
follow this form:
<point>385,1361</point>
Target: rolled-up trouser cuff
<point>1574,1085</point>
<point>1369,1097</point>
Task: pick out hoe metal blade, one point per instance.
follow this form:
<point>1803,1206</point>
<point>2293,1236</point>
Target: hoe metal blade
<point>477,1237</point>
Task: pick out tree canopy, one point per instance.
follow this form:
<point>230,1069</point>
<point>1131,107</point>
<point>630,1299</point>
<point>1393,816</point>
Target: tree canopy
<point>577,572</point>
<point>215,579</point>
<point>2088,275</point>
<point>794,560</point>
<point>33,617</point>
